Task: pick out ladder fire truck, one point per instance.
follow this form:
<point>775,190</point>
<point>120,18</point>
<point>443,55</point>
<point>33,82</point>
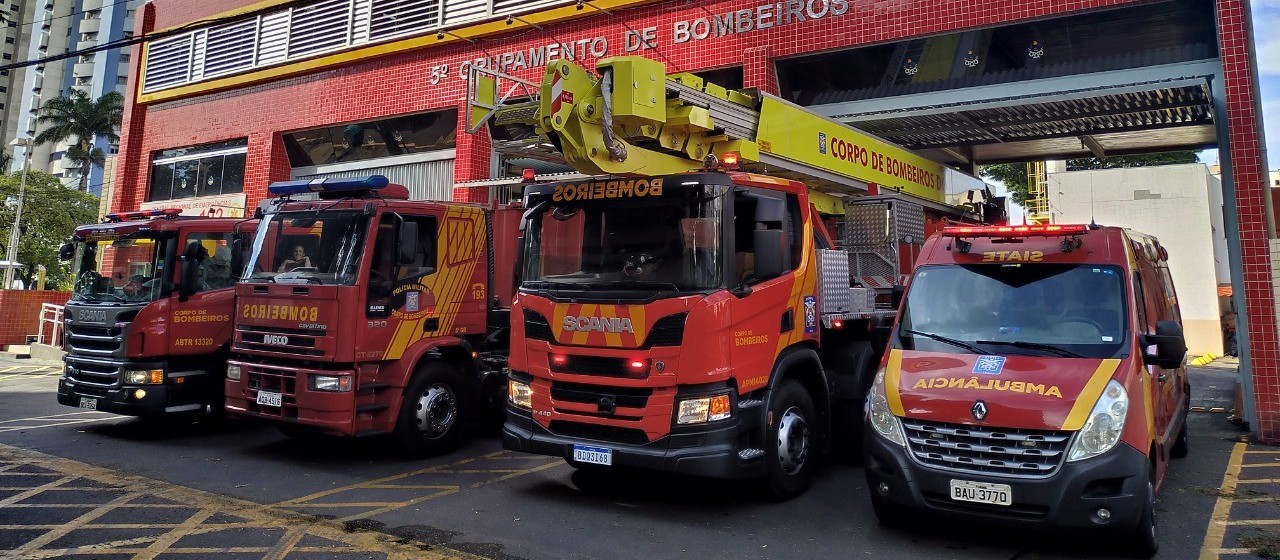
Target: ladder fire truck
<point>148,324</point>
<point>364,313</point>
<point>680,313</point>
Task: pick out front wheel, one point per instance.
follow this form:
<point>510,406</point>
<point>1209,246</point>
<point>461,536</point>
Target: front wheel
<point>789,447</point>
<point>433,412</point>
<point>1145,541</point>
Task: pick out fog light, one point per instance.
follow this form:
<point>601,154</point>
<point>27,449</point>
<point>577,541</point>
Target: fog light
<point>233,372</point>
<point>140,394</point>
<point>883,488</point>
<point>1104,514</point>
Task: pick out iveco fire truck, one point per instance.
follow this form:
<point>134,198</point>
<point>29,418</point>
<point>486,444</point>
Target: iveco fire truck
<point>362,312</point>
<point>1035,377</point>
<point>148,325</point>
<point>680,314</point>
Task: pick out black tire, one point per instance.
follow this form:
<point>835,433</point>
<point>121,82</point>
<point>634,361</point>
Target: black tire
<point>433,413</point>
<point>1180,446</point>
<point>857,366</point>
<point>889,515</point>
<point>1145,541</point>
<point>791,442</point>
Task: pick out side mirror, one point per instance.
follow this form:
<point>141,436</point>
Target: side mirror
<point>67,251</point>
<point>772,253</point>
<point>192,254</point>
<point>237,256</point>
<point>519,256</point>
<point>1170,347</point>
<point>408,242</point>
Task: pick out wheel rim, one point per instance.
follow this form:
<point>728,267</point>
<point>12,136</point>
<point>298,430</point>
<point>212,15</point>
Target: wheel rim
<point>793,440</point>
<point>437,411</point>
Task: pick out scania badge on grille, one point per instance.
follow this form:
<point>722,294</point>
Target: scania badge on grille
<point>979,411</point>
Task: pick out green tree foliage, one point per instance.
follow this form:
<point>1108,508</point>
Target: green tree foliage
<point>1014,175</point>
<point>80,119</point>
<point>51,211</point>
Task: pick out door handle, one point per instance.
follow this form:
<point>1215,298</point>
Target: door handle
<point>1162,377</point>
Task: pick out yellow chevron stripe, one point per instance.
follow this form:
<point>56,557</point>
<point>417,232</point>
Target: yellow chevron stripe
<point>1089,395</point>
<point>892,373</point>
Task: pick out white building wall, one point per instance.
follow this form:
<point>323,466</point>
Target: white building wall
<point>1176,204</point>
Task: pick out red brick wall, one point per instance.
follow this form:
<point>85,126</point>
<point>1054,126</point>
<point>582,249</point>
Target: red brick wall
<point>399,84</point>
<point>21,310</point>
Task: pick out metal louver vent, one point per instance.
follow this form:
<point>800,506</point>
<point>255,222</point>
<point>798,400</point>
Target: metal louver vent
<point>504,7</point>
<point>168,63</point>
<point>456,11</point>
<point>399,17</point>
<point>273,38</point>
<point>319,27</point>
<point>230,47</point>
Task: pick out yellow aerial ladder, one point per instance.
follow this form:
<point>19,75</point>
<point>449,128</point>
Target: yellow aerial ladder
<point>635,119</point>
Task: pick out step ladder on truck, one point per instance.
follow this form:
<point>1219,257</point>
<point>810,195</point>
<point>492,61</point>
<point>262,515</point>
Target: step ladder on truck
<point>687,308</point>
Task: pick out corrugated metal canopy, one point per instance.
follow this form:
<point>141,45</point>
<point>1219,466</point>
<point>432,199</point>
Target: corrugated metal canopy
<point>1133,118</point>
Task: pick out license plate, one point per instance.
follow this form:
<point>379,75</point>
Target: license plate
<point>982,492</point>
<point>593,455</point>
<point>269,399</point>
<point>88,403</point>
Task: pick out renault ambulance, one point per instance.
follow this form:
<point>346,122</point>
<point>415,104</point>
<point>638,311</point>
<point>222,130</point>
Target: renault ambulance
<point>1034,377</point>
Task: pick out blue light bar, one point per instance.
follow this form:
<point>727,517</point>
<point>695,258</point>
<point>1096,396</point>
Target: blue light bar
<point>328,184</point>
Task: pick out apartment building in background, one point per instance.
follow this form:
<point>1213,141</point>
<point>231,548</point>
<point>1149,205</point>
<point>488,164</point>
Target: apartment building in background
<point>44,28</point>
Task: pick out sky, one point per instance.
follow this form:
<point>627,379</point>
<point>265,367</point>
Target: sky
<point>1266,16</point>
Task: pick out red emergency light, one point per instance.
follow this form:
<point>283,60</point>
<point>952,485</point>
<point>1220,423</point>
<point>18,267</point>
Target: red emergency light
<point>143,214</point>
<point>1015,231</point>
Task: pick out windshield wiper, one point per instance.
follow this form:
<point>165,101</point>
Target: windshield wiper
<point>1033,345</point>
<point>545,284</point>
<point>644,284</point>
<point>948,340</point>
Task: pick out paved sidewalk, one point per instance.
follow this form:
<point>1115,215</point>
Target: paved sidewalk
<point>58,508</point>
<point>1246,518</point>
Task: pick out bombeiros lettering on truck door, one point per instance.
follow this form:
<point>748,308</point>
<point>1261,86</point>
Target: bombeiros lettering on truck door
<point>286,312</point>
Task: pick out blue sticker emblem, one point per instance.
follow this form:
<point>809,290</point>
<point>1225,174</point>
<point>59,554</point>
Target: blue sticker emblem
<point>411,302</point>
<point>810,314</point>
<point>989,365</point>
<point>822,143</point>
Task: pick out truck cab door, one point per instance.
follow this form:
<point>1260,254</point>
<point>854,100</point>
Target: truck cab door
<point>201,306</point>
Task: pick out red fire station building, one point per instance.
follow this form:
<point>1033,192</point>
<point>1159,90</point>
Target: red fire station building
<point>233,94</point>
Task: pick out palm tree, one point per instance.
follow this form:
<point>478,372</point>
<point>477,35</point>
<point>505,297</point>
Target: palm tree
<point>76,116</point>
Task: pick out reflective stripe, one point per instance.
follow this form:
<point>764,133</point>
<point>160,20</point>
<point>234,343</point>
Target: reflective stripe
<point>893,370</point>
<point>1089,395</point>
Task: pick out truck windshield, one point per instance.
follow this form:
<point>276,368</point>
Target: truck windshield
<point>1038,309</point>
<point>669,243</point>
<point>309,247</point>
<point>129,268</point>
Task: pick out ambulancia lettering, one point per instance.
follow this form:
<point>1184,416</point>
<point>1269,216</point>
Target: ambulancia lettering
<point>599,324</point>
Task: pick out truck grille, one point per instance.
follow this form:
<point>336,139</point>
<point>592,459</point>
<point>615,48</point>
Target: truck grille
<point>628,397</point>
<point>98,373</point>
<point>668,331</point>
<point>986,450</point>
<point>281,380</point>
<point>94,340</point>
<point>608,434</point>
<point>296,342</point>
<point>599,365</point>
<point>536,326</point>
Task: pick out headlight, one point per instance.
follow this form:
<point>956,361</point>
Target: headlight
<point>144,376</point>
<point>334,383</point>
<point>1102,430</point>
<point>233,372</point>
<point>704,409</point>
<point>519,393</point>
<point>881,418</point>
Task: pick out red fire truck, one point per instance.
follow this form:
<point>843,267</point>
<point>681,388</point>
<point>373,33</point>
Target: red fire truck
<point>362,313</point>
<point>148,324</point>
<point>680,314</point>
<point>1035,376</point>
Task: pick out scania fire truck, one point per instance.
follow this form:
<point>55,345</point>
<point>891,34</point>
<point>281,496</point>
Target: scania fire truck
<point>362,312</point>
<point>148,325</point>
<point>1035,377</point>
<point>679,313</point>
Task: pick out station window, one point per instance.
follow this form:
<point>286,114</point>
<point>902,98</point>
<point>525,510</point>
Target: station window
<point>205,170</point>
<point>728,78</point>
<point>410,134</point>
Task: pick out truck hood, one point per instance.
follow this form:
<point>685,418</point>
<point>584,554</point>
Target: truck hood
<point>286,321</point>
<point>1032,392</point>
